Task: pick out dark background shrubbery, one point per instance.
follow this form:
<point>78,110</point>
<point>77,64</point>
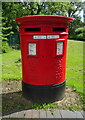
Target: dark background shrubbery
<point>77,30</point>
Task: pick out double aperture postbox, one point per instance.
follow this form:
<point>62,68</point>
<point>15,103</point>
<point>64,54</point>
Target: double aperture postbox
<point>43,49</point>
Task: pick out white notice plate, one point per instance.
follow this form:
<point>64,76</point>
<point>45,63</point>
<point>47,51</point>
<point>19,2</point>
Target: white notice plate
<point>32,48</point>
<point>39,37</point>
<point>52,36</point>
<point>59,48</point>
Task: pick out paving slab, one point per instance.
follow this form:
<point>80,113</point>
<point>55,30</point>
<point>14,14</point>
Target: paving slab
<point>28,114</point>
<point>6,116</point>
<point>78,114</point>
<point>81,112</point>
<point>15,115</point>
<point>35,114</point>
<point>67,114</point>
<point>49,114</point>
<point>21,114</point>
<point>59,114</point>
<point>84,114</point>
<point>56,114</point>
<point>42,113</point>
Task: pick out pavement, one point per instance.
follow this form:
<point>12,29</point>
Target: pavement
<point>53,114</point>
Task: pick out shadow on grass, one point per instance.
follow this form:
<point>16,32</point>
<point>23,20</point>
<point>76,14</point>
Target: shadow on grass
<point>14,102</point>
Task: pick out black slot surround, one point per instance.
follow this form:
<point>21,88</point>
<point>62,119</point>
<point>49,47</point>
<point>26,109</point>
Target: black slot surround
<point>32,29</point>
<point>59,30</point>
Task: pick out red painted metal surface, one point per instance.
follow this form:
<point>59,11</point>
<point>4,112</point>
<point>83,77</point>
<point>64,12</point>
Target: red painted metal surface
<point>46,66</point>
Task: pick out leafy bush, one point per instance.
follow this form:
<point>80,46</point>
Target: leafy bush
<point>80,33</point>
<point>75,28</point>
<point>6,31</point>
<point>5,47</point>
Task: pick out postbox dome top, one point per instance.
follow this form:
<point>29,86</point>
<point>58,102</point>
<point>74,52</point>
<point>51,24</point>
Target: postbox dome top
<point>43,19</point>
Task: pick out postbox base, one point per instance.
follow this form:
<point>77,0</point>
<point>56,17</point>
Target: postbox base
<point>43,93</point>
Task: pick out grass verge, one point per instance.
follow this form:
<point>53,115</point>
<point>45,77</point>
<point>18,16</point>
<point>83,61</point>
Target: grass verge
<point>74,74</point>
<point>11,66</point>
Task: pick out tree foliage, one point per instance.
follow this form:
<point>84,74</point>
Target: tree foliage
<point>6,31</point>
<point>13,10</point>
<point>80,33</point>
<point>73,8</point>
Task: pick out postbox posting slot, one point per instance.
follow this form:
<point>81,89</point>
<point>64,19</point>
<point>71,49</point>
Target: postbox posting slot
<point>32,29</point>
<point>59,29</point>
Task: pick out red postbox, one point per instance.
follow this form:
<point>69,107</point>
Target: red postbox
<point>43,50</point>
